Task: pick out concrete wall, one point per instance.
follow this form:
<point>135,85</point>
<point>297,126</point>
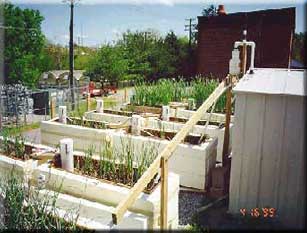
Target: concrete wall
<point>189,161</point>
<point>23,168</point>
<point>109,195</point>
<point>268,162</point>
<point>154,123</point>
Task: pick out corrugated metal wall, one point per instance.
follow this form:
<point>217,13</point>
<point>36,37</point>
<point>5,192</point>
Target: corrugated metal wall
<point>268,163</point>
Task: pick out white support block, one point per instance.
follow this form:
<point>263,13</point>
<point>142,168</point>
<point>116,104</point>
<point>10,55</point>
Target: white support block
<point>67,157</point>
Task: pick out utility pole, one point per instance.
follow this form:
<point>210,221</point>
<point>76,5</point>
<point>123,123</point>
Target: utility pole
<point>71,51</point>
<point>190,28</point>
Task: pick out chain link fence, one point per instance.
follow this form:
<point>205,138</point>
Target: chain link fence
<point>21,106</point>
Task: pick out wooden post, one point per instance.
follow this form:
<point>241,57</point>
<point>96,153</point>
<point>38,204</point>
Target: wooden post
<point>164,193</point>
<point>52,107</point>
<point>244,58</point>
<point>225,153</point>
<point>88,101</point>
<point>125,94</point>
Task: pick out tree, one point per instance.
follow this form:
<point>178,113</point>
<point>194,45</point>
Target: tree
<point>299,47</point>
<point>209,11</point>
<point>24,59</point>
<point>108,64</point>
<point>140,55</point>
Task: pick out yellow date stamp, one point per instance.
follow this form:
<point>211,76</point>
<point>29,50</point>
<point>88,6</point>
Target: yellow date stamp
<point>265,212</point>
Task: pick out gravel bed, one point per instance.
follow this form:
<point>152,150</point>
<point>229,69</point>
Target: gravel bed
<point>189,202</point>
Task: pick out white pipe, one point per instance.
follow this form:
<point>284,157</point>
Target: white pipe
<point>62,114</point>
<point>253,47</point>
<point>136,121</point>
<point>99,107</point>
<point>67,156</point>
<point>165,112</point>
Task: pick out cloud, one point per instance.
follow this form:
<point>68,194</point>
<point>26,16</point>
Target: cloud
<point>162,2</point>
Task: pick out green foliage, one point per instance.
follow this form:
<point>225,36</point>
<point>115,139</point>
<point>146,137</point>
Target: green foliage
<point>13,143</point>
<point>299,47</point>
<point>24,41</point>
<point>168,90</point>
<point>138,56</point>
<point>25,209</point>
<point>209,11</point>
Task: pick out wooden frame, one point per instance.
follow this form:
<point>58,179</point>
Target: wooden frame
<point>162,158</point>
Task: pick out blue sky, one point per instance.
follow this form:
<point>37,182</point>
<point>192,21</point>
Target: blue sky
<point>103,21</point>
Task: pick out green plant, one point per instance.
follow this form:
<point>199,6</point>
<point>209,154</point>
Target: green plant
<point>167,90</point>
<point>5,143</point>
<point>19,146</point>
<point>88,166</point>
<point>25,208</point>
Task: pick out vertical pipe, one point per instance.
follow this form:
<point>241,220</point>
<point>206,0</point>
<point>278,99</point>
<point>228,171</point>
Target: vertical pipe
<point>63,114</point>
<point>99,107</point>
<point>136,124</point>
<point>67,157</point>
<point>164,193</point>
<point>165,113</point>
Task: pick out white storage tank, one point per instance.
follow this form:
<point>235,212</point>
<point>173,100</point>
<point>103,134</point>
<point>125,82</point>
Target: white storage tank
<point>268,160</point>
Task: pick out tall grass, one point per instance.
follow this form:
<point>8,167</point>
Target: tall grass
<point>167,90</point>
<point>24,208</point>
<point>124,164</point>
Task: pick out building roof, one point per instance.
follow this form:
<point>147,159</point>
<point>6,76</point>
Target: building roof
<point>274,82</point>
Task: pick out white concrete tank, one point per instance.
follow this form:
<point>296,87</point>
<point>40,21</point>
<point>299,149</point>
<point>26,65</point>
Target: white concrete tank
<point>268,161</point>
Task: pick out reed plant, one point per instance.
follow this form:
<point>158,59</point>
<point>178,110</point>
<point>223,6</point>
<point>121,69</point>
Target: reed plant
<point>123,164</point>
<point>168,90</point>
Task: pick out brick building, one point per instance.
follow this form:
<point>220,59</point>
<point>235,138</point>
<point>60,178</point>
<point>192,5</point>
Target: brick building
<point>271,30</point>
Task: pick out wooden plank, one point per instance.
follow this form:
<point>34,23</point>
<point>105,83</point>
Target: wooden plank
<point>225,153</point>
<point>166,153</point>
<point>88,101</point>
<point>244,58</point>
<point>52,107</point>
<point>164,193</point>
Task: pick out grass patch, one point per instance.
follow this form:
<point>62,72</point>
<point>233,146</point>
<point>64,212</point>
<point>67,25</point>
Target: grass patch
<point>15,130</point>
<point>82,107</point>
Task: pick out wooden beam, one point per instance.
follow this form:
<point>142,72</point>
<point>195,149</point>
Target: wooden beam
<point>225,152</point>
<point>88,101</point>
<point>164,193</point>
<point>244,58</point>
<point>52,107</point>
<point>140,185</point>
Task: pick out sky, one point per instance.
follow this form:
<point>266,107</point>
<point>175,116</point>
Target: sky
<point>103,21</point>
